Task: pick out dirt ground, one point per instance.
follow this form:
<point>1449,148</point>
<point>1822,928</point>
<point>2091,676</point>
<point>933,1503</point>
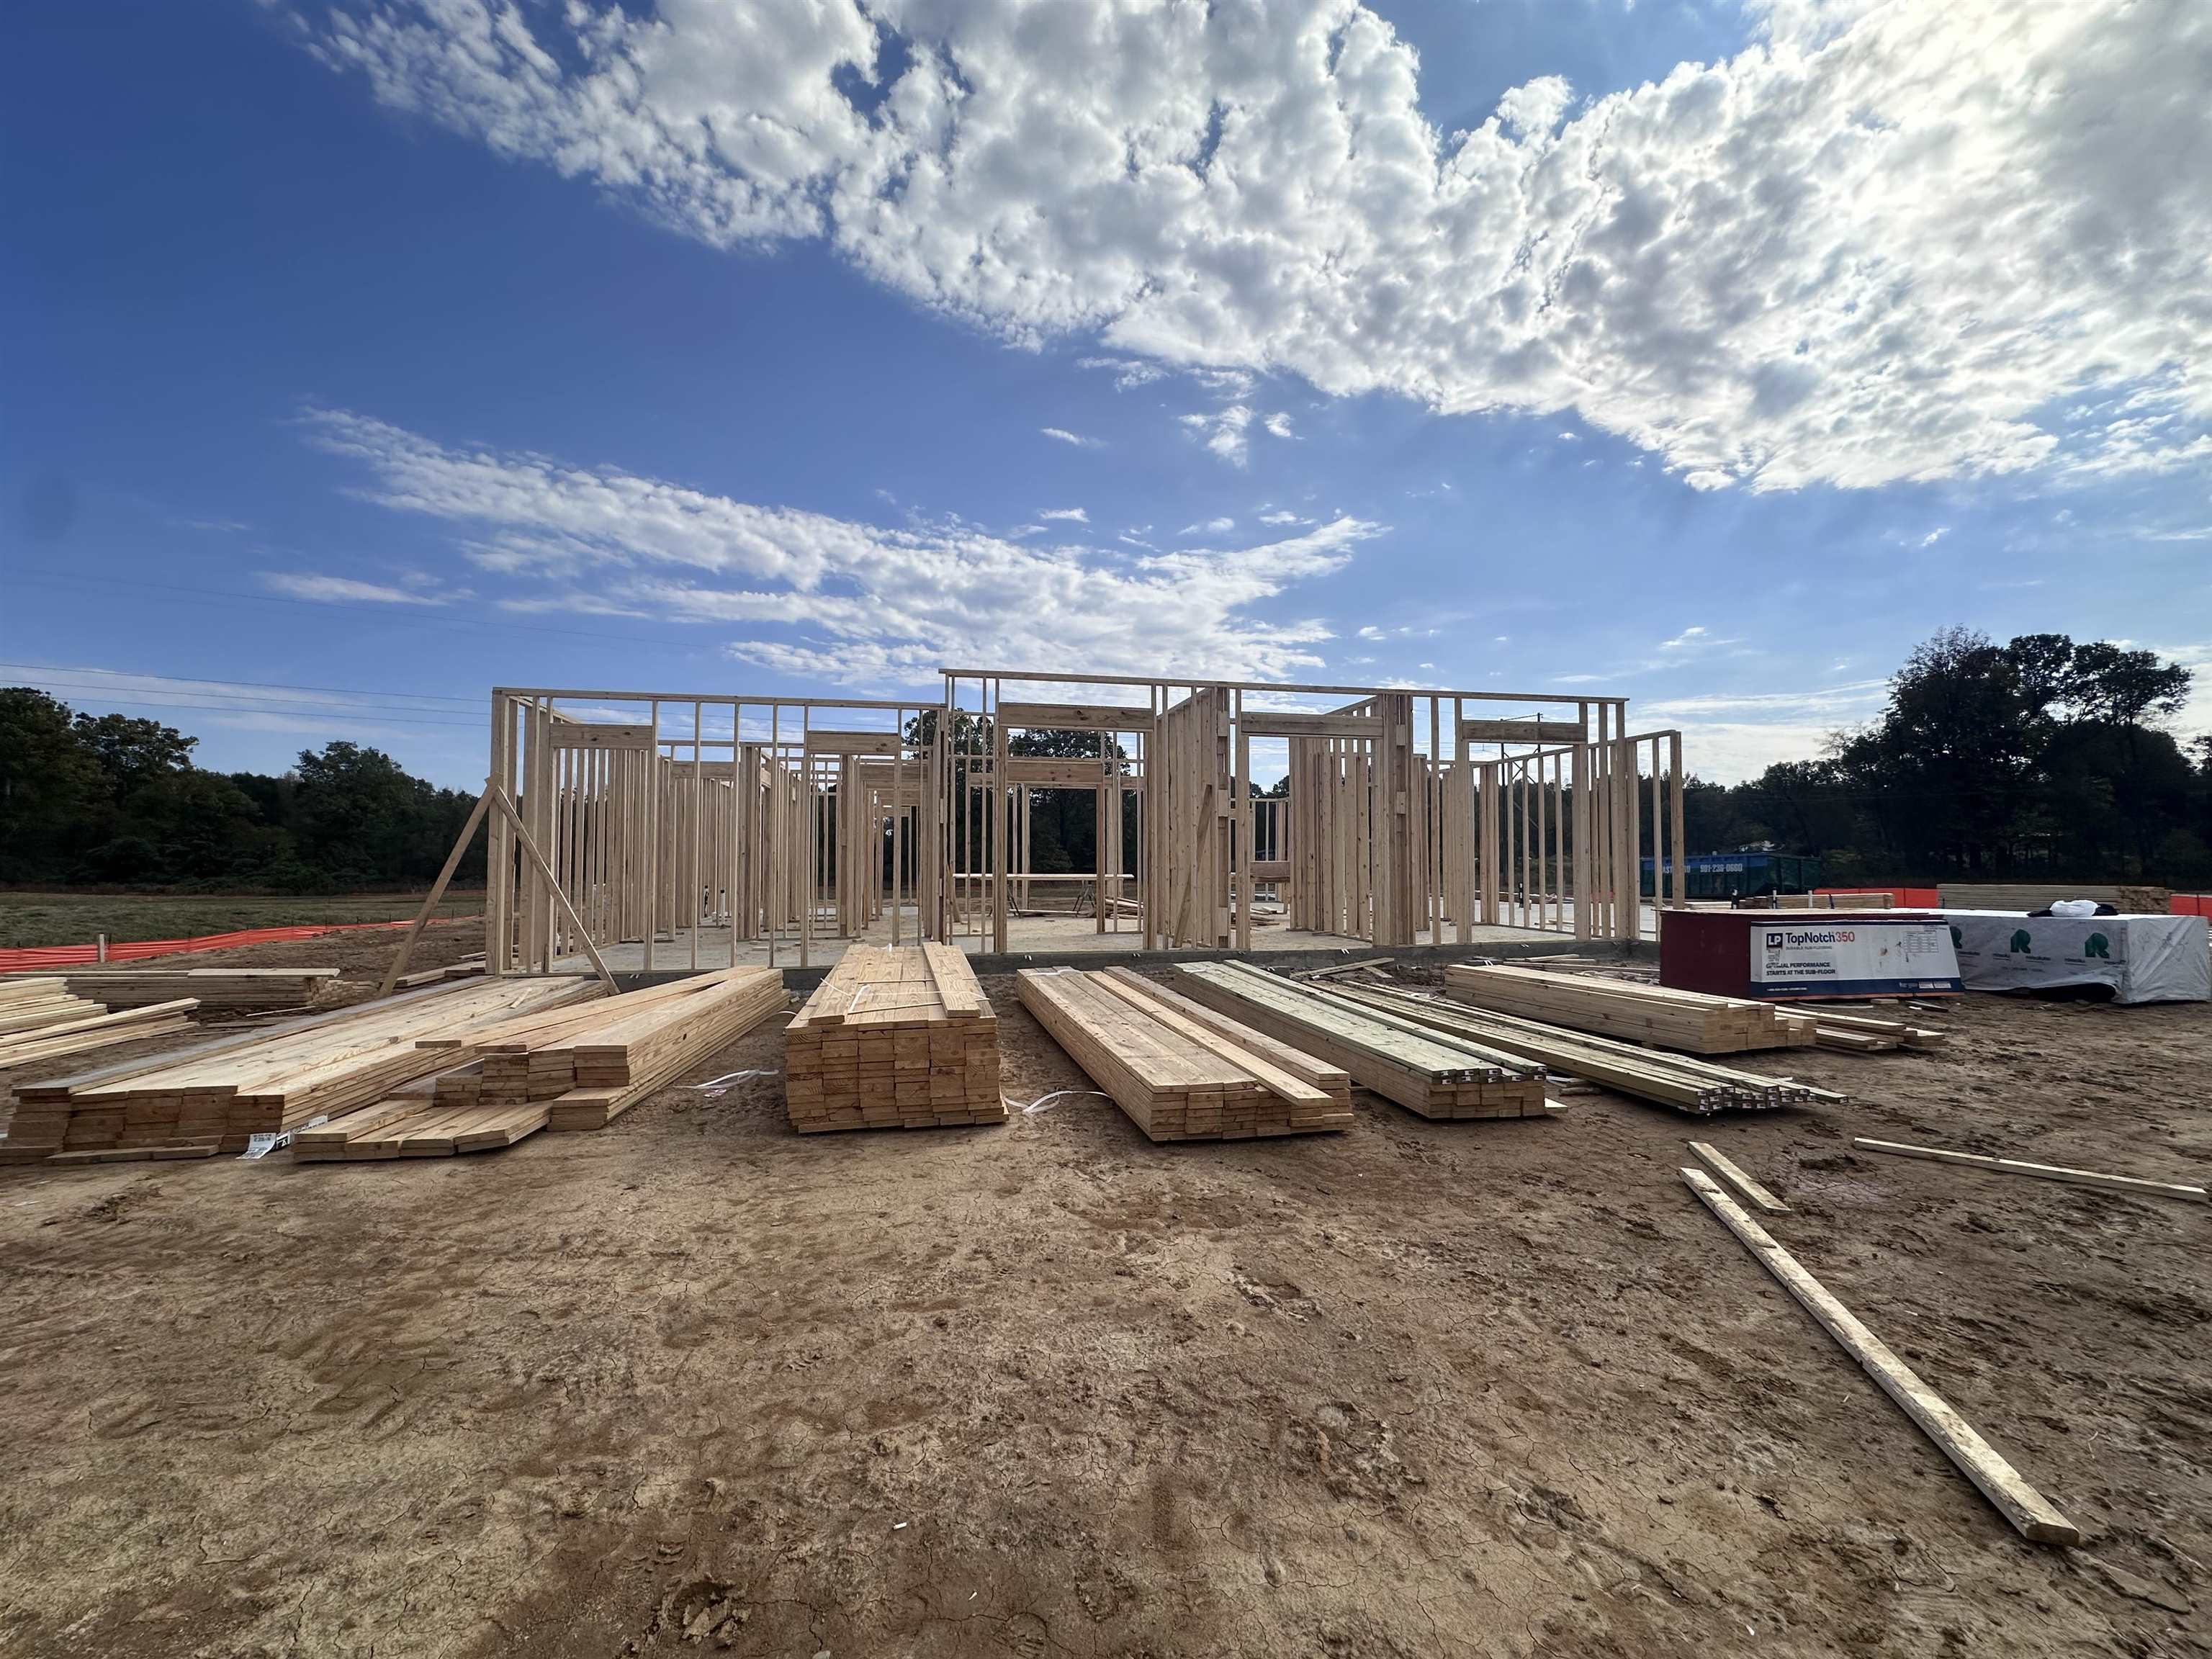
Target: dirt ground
<point>696,1384</point>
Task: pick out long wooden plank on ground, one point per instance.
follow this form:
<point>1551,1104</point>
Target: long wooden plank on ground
<point>2040,1171</point>
<point>2019,1502</point>
<point>1725,1168</point>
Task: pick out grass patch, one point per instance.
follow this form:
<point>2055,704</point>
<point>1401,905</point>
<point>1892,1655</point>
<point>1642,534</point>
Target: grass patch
<point>37,919</point>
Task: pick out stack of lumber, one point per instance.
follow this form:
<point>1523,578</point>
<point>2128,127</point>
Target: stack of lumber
<point>1178,1069</point>
<point>1688,1020</point>
<point>466,967</point>
<point>1692,1022</point>
<point>587,1067</point>
<point>217,1096</point>
<point>236,990</point>
<point>1689,1085</point>
<point>1863,1034</point>
<point>1427,1071</point>
<point>43,1019</point>
<point>2128,901</point>
<point>893,1038</point>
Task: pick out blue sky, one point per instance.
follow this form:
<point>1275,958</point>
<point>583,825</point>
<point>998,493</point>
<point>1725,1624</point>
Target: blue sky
<point>358,357</point>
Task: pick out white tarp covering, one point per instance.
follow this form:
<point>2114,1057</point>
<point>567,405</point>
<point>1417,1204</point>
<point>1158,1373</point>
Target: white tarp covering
<point>2142,959</point>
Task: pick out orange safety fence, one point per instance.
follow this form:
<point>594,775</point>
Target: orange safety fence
<point>2189,904</point>
<point>81,956</point>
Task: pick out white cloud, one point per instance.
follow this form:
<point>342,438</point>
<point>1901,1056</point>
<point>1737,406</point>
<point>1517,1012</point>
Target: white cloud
<point>1222,431</point>
<point>1889,241</point>
<point>1280,425</point>
<point>1688,636</point>
<point>1063,435</point>
<point>1209,528</point>
<point>841,601</point>
<point>1066,514</point>
<point>1282,515</point>
<point>1935,535</point>
<point>1730,736</point>
<point>343,590</point>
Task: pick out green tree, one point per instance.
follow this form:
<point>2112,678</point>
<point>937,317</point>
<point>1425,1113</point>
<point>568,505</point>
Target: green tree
<point>54,798</point>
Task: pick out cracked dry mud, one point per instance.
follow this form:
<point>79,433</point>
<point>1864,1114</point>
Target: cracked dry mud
<point>696,1385</point>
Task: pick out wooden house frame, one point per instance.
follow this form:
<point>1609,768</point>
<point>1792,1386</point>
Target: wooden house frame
<point>768,816</point>
<point>1404,815</point>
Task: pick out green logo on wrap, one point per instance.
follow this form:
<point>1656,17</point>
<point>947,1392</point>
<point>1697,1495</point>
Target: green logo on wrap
<point>2098,945</point>
<point>2020,941</point>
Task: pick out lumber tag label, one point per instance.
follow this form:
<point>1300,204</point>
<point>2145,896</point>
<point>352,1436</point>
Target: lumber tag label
<point>1851,958</point>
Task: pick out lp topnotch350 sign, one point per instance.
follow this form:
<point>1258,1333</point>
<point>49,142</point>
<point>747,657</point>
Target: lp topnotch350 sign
<point>1858,957</point>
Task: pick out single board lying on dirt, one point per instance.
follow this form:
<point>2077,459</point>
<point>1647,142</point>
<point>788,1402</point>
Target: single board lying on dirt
<point>1427,1071</point>
<point>1180,1071</point>
<point>219,1095</point>
<point>893,1038</point>
<point>1677,1080</point>
<point>565,1068</point>
<point>1980,1462</point>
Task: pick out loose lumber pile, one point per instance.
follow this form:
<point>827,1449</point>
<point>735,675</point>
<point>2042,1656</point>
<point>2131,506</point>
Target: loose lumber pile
<point>2128,901</point>
<point>1688,1084</point>
<point>894,1037</point>
<point>466,967</point>
<point>1687,1020</point>
<point>39,1019</point>
<point>2028,1510</point>
<point>1180,1071</point>
<point>1431,1073</point>
<point>216,1096</point>
<point>1691,1022</point>
<point>588,1066</point>
<point>235,990</point>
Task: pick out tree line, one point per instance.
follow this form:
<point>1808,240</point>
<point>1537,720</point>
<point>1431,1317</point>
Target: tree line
<point>108,799</point>
<point>2041,759</point>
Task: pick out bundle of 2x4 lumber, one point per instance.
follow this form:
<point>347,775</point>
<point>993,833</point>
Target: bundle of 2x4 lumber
<point>1429,1073</point>
<point>1861,1031</point>
<point>242,989</point>
<point>29,1004</point>
<point>636,1053</point>
<point>1677,1080</point>
<point>896,1038</point>
<point>1179,1070</point>
<point>266,1081</point>
<point>1690,1021</point>
<point>94,1030</point>
<point>417,1121</point>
